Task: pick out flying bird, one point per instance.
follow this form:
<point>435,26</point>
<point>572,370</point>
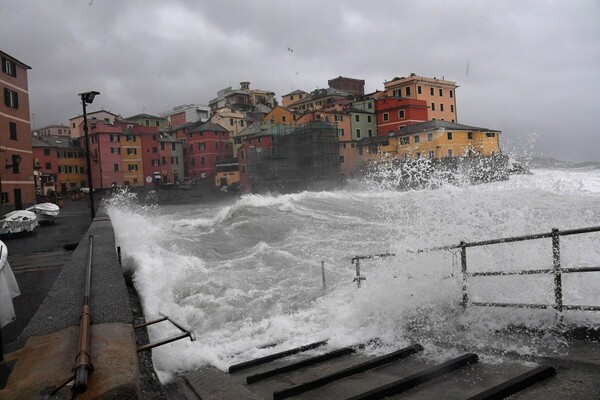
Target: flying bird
<point>290,50</point>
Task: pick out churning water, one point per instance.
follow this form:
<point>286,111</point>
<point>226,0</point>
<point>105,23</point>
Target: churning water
<point>247,273</point>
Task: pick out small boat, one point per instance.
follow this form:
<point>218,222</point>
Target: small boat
<point>18,221</point>
<point>45,211</point>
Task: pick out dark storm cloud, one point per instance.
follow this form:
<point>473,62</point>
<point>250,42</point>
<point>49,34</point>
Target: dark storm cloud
<point>529,69</point>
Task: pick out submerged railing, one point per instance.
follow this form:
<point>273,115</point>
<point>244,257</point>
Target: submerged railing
<point>556,269</point>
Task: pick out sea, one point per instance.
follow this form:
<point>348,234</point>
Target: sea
<point>258,274</point>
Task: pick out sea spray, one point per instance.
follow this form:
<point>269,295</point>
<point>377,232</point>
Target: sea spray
<point>247,273</point>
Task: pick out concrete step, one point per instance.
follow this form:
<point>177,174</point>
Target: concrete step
<point>577,376</point>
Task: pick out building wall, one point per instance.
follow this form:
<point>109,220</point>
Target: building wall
<point>46,160</point>
<point>438,143</point>
<point>243,155</point>
<point>18,181</point>
<point>76,123</point>
<point>132,163</point>
<point>205,149</point>
<point>53,130</point>
<point>399,112</point>
<point>291,98</point>
<point>103,160</point>
<point>72,173</point>
<point>439,94</point>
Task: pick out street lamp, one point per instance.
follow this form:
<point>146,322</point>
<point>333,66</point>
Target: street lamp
<point>88,98</point>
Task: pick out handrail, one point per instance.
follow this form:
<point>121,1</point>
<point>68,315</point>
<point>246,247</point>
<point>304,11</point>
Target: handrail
<point>556,269</point>
<point>186,333</point>
<point>83,361</point>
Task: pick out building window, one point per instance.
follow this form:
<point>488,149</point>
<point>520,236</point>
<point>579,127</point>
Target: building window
<point>15,163</point>
<point>163,160</point>
<point>130,138</point>
<point>46,152</point>
<point>217,145</point>
<point>451,107</point>
<point>416,138</point>
<point>242,154</point>
<point>282,118</point>
<point>403,141</point>
<point>341,159</point>
<point>370,106</point>
<point>400,114</point>
<point>147,123</point>
<point>11,99</point>
<point>202,146</point>
<point>451,94</point>
<point>386,117</point>
<point>155,163</point>
<point>441,93</point>
<point>430,137</point>
<point>450,153</point>
<point>116,167</point>
<point>397,93</point>
<point>431,91</point>
<point>470,135</point>
<point>173,147</point>
<point>449,135</point>
<point>370,132</point>
<point>13,130</point>
<point>202,160</point>
<point>419,89</point>
<point>441,107</point>
<point>244,169</point>
<point>358,133</point>
<point>408,91</point>
<point>431,154</point>
<point>338,117</point>
<point>490,134</point>
<point>193,161</point>
<point>432,106</point>
<point>9,67</point>
<point>418,155</point>
<point>132,167</point>
<point>115,150</point>
<point>114,138</point>
<point>155,149</point>
<point>357,118</point>
<point>94,139</point>
<point>131,151</point>
<point>48,166</point>
<point>340,132</point>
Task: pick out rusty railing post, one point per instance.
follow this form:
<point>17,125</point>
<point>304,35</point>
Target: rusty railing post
<point>463,272</point>
<point>558,301</point>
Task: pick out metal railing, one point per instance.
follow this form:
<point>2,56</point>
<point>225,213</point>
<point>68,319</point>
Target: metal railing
<point>185,333</point>
<point>556,269</point>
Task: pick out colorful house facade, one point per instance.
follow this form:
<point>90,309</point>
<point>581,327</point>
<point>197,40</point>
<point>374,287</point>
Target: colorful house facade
<point>17,190</point>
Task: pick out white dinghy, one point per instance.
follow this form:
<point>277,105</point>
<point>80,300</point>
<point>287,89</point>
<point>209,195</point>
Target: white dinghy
<point>45,211</point>
<point>18,221</point>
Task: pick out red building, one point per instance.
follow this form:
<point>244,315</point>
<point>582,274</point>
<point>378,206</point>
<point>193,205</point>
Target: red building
<point>45,161</point>
<point>16,168</point>
<point>254,144</point>
<point>395,112</point>
<point>206,144</point>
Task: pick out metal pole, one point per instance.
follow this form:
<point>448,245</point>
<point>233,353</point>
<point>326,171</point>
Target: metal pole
<point>323,273</point>
<point>83,362</point>
<point>558,304</point>
<point>463,264</point>
<point>87,156</point>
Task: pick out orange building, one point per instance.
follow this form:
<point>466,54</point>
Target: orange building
<point>17,189</point>
<point>439,94</point>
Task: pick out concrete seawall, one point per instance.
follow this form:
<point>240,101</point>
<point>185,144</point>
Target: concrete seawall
<point>47,357</point>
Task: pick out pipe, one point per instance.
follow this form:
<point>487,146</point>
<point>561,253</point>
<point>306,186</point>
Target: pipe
<point>83,362</point>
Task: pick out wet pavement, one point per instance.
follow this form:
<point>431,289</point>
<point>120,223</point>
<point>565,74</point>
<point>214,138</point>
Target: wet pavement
<point>37,259</point>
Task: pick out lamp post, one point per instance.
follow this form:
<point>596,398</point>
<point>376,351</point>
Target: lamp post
<point>88,98</point>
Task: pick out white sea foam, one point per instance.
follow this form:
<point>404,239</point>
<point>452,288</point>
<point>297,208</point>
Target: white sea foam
<point>248,273</point>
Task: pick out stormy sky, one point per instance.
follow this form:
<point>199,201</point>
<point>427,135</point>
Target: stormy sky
<point>528,68</point>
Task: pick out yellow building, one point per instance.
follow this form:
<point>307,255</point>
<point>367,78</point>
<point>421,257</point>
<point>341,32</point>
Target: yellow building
<point>434,140</point>
<point>280,115</point>
<point>131,151</point>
